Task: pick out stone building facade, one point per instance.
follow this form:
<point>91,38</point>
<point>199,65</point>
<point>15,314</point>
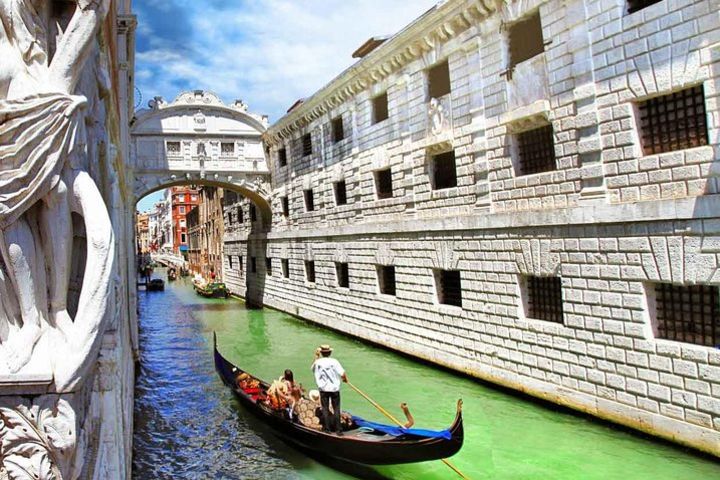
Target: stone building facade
<point>523,191</point>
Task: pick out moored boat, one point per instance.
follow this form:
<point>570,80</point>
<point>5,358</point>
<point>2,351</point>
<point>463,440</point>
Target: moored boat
<point>156,285</point>
<point>370,444</point>
<point>212,290</point>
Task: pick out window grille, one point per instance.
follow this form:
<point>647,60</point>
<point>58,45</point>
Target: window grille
<point>449,287</point>
<point>674,122</point>
<point>285,206</point>
<point>444,171</point>
<point>282,157</point>
<point>343,274</point>
<point>536,150</point>
<point>380,108</point>
<point>253,265</point>
<point>227,148</point>
<point>526,40</point>
<point>688,313</point>
<point>285,266</point>
<point>310,271</point>
<point>253,213</point>
<point>386,279</point>
<point>241,214</point>
<point>307,144</point>
<point>309,200</point>
<point>544,298</point>
<point>383,183</point>
<point>439,80</point>
<point>338,132</point>
<point>268,266</point>
<point>340,193</point>
<point>230,217</point>
<point>173,148</point>
<point>635,5</point>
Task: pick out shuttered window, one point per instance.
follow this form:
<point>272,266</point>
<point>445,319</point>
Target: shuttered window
<point>310,271</point>
<point>674,122</point>
<point>536,151</point>
<point>386,279</point>
<point>340,193</point>
<point>383,183</point>
<point>444,171</point>
<point>544,298</point>
<point>688,313</point>
<point>343,274</point>
<point>449,287</point>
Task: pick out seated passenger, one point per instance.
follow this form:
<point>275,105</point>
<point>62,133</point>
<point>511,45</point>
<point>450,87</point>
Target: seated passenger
<point>307,410</point>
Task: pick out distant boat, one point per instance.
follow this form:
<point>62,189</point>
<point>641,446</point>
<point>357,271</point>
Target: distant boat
<point>172,274</point>
<point>212,290</point>
<point>156,285</point>
<point>365,442</point>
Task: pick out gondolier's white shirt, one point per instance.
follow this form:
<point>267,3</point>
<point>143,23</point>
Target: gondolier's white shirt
<point>328,374</point>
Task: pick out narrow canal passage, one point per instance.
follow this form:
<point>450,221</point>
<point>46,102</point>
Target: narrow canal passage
<point>188,425</point>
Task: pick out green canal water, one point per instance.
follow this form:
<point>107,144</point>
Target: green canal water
<point>188,425</point>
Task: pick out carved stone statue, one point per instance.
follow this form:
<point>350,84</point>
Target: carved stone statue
<point>44,179</point>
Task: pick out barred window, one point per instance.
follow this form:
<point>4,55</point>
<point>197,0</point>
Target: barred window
<point>443,171</point>
<point>230,217</point>
<point>307,144</point>
<point>526,40</point>
<point>688,313</point>
<point>173,148</point>
<point>310,271</point>
<point>383,183</point>
<point>282,157</point>
<point>439,80</point>
<point>253,265</point>
<point>544,298</point>
<point>240,264</point>
<point>536,151</point>
<point>230,262</point>
<point>343,274</point>
<point>635,5</point>
<point>253,213</point>
<point>674,122</point>
<point>340,193</point>
<point>338,132</point>
<point>449,287</point>
<point>285,206</point>
<point>386,279</point>
<point>227,148</point>
<point>268,266</point>
<point>309,200</point>
<point>285,266</point>
<point>241,215</point>
<point>380,108</point>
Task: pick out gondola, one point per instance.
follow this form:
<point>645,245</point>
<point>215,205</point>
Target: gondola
<point>213,290</point>
<point>363,445</point>
<point>156,285</point>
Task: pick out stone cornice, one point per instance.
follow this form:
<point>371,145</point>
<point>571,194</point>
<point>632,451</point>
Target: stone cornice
<point>439,25</point>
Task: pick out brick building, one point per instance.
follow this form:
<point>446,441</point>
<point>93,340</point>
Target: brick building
<point>183,199</point>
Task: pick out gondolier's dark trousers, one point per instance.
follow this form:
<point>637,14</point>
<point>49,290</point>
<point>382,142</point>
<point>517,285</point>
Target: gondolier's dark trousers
<point>331,421</point>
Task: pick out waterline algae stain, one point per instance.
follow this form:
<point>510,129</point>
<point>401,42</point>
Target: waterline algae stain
<point>189,426</point>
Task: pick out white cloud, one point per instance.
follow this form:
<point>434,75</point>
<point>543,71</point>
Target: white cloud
<point>267,52</point>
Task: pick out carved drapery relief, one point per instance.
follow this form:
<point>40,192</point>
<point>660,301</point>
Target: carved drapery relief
<point>55,273</point>
<point>444,256</point>
<point>384,254</point>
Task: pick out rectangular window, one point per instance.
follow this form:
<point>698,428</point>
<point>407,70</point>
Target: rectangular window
<point>183,238</point>
<point>230,263</point>
<point>253,213</point>
<point>227,148</point>
<point>673,122</point>
<point>285,206</point>
<point>343,274</point>
<point>439,80</point>
<point>309,200</point>
<point>253,265</point>
<point>285,266</point>
<point>173,148</point>
<point>338,131</point>
<point>443,172</point>
<point>307,145</point>
<point>181,198</point>
<point>386,279</point>
<point>380,108</point>
<point>449,287</point>
<point>193,198</point>
<point>635,5</point>
<point>268,266</point>
<point>241,215</point>
<point>544,298</point>
<point>230,217</point>
<point>240,264</point>
<point>340,193</point>
<point>183,223</point>
<point>310,271</point>
<point>688,314</point>
<point>526,39</point>
<point>282,157</point>
<point>383,183</point>
<point>181,209</point>
<point>536,151</point>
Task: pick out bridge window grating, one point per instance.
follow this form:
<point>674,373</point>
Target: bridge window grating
<point>285,206</point>
<point>307,145</point>
<point>536,151</point>
<point>636,5</point>
<point>285,267</point>
<point>383,183</point>
<point>241,215</point>
<point>380,111</point>
<point>338,129</point>
<point>443,171</point>
<point>342,272</point>
<point>282,157</point>
<point>674,122</point>
<point>340,193</point>
<point>309,200</point>
<point>439,80</point>
<point>544,298</point>
<point>310,271</point>
<point>173,148</point>
<point>449,287</point>
<point>688,313</point>
<point>268,266</point>
<point>227,148</point>
<point>386,279</point>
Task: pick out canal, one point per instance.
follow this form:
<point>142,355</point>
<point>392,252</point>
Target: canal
<point>189,426</point>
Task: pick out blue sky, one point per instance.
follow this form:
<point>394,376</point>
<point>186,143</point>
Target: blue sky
<point>267,52</point>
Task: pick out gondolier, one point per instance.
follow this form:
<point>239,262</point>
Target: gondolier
<point>328,375</point>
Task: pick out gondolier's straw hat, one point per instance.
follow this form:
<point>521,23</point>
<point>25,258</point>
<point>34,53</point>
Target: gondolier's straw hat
<point>325,348</point>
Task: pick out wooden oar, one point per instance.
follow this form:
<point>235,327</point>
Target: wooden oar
<point>391,417</point>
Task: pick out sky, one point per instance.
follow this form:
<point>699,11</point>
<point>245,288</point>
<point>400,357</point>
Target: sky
<point>268,53</point>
